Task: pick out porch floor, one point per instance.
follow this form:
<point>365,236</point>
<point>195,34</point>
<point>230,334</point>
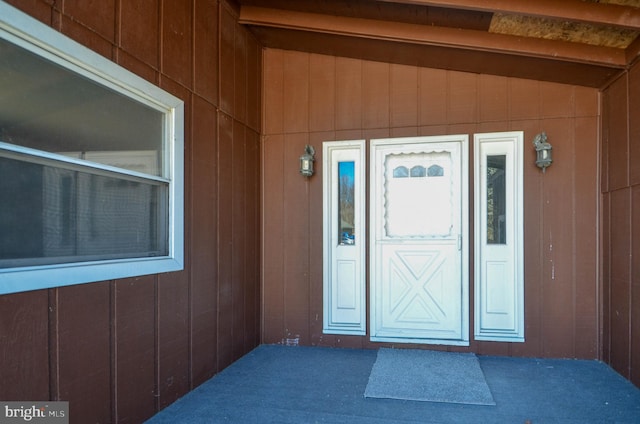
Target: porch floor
<point>279,384</point>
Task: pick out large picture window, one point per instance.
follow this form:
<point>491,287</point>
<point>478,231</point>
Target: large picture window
<point>91,165</point>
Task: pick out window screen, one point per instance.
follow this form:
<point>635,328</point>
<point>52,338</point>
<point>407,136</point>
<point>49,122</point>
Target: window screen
<point>58,213</point>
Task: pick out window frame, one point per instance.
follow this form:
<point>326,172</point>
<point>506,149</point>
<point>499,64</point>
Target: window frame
<point>26,32</point>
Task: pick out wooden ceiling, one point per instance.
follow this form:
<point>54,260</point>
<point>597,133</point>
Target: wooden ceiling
<point>583,42</point>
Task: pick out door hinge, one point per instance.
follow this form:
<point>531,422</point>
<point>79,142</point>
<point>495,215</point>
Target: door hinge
<point>459,241</point>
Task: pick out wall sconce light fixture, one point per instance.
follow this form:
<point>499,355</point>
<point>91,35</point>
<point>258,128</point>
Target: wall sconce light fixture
<point>306,161</point>
<point>543,151</point>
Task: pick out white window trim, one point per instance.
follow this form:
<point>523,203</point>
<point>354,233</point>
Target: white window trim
<point>26,32</point>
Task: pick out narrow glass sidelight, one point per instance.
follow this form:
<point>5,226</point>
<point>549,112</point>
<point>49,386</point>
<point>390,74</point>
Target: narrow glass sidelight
<point>496,199</point>
<point>346,203</point>
<point>344,276</point>
<point>499,251</point>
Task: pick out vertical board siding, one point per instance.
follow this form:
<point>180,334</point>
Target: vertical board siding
<point>556,100</point>
<point>296,243</point>
<point>432,89</point>
<point>135,348</point>
<point>177,38</point>
<point>586,332</point>
<point>24,346</point>
<point>558,242</point>
<point>618,136</point>
<point>350,98</point>
<point>86,310</point>
<point>227,79</point>
<point>92,40</point>
<point>348,94</point>
<point>620,184</point>
<point>140,30</point>
<point>462,102</point>
<point>204,250</point>
<point>254,89</point>
<point>620,280</point>
<point>225,239</point>
<point>621,225</point>
<point>403,96</point>
<point>493,96</point>
<point>634,126</point>
<point>273,92</point>
<point>375,95</point>
<point>322,92</point>
<point>241,60</point>
<point>534,306</point>
<point>524,98</point>
<point>239,261</point>
<point>315,246</point>
<point>206,49</point>
<point>252,249</point>
<point>296,93</point>
<point>119,351</point>
<point>273,225</point>
<point>606,270</point>
<point>635,288</point>
<point>172,338</point>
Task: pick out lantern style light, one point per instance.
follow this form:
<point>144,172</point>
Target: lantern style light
<point>543,151</point>
<point>306,161</point>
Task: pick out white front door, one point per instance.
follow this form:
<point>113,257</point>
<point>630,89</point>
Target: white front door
<point>419,230</point>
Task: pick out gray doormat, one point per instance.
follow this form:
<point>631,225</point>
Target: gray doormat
<point>428,376</point>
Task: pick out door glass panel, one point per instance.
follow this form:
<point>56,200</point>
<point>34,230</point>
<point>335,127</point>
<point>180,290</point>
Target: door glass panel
<point>346,203</point>
<point>418,171</point>
<point>401,172</point>
<point>417,204</point>
<point>496,199</point>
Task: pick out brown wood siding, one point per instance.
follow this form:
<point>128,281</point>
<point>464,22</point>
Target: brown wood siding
<point>119,351</point>
<point>621,225</point>
<point>310,98</point>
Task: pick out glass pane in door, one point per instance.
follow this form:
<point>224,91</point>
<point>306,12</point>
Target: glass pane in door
<point>418,198</point>
<point>496,199</point>
<point>346,203</point>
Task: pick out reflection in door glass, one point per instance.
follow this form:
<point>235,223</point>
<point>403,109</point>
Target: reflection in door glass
<point>346,203</point>
<point>496,200</point>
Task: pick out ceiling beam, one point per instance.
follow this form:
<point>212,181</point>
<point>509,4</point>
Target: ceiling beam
<point>431,35</point>
<point>570,10</point>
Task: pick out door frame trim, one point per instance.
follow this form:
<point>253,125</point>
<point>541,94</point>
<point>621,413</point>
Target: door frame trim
<point>463,139</point>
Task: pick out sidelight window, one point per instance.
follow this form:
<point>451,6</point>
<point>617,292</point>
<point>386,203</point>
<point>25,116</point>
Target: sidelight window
<point>496,199</point>
<point>344,277</point>
<point>346,202</point>
<point>499,275</point>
